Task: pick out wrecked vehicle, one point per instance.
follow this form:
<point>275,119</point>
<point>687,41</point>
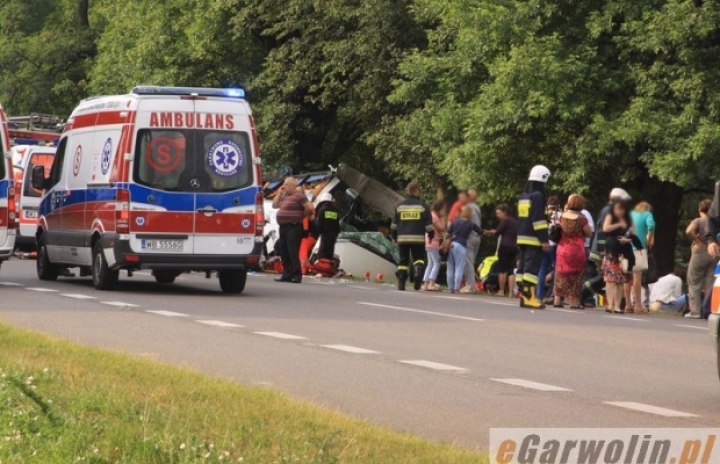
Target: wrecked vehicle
<point>366,205</point>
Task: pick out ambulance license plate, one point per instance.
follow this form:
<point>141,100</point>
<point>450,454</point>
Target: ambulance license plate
<point>31,214</point>
<point>163,245</point>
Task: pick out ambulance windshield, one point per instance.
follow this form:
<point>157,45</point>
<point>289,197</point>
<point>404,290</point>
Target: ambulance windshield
<point>38,159</point>
<point>193,160</point>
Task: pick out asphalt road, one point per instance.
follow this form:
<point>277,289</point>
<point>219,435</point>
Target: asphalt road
<point>446,368</point>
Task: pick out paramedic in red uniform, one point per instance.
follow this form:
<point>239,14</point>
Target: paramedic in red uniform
<point>293,206</point>
<point>308,242</point>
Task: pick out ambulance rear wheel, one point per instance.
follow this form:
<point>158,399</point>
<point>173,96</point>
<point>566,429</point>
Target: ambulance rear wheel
<point>232,281</point>
<point>104,278</point>
<point>45,269</point>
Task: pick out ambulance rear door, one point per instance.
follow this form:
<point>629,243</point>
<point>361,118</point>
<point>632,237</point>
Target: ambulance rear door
<point>228,196</point>
<point>162,196</point>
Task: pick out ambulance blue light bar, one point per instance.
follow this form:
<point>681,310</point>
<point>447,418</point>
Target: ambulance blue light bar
<point>187,91</point>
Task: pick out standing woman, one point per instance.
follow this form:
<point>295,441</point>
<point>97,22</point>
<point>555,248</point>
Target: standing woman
<point>570,258</point>
<point>644,222</point>
<point>554,210</point>
<point>616,227</point>
<point>432,246</point>
<point>701,270</point>
<point>460,231</point>
<point>507,249</point>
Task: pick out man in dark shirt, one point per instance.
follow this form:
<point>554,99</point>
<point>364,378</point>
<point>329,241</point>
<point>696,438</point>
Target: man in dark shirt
<point>293,206</point>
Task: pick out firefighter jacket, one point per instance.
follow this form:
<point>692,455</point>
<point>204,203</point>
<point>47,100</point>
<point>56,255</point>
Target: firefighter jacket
<point>328,219</point>
<point>412,221</point>
<point>532,220</point>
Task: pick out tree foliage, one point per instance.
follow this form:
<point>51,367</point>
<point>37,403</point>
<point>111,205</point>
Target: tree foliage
<point>452,93</point>
<point>46,50</point>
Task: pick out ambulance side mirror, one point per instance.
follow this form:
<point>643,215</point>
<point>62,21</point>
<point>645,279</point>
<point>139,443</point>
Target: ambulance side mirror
<point>38,178</point>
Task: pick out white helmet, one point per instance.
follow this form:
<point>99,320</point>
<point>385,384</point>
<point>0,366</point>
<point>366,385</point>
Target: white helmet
<point>539,174</point>
<point>323,197</point>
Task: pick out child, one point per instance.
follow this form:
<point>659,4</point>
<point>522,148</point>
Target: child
<point>460,231</point>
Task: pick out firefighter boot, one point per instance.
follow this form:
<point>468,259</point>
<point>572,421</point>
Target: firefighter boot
<point>525,295</point>
<point>402,277</point>
<point>533,302</point>
<point>418,275</point>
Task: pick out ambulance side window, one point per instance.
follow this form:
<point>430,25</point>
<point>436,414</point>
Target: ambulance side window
<point>57,166</point>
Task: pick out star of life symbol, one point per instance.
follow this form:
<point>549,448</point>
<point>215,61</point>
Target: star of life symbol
<point>106,153</point>
<point>225,158</point>
<point>246,223</point>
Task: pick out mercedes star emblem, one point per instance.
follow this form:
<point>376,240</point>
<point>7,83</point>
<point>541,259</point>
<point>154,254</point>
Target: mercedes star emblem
<point>195,184</point>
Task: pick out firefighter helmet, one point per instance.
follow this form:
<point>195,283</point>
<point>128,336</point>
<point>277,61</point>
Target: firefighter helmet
<point>539,173</point>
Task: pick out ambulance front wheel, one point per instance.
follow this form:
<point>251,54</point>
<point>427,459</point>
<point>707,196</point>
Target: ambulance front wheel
<point>104,278</point>
<point>45,269</point>
<point>232,281</point>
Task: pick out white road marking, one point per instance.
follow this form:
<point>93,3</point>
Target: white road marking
<point>532,385</point>
<point>649,409</point>
<point>167,313</point>
<point>704,329</point>
<point>280,335</point>
<point>560,310</point>
<point>514,305</point>
<point>350,349</point>
<point>10,284</point>
<point>623,318</point>
<point>453,298</point>
<point>410,310</point>
<point>77,296</point>
<point>434,365</point>
<point>361,288</point>
<point>220,324</point>
<point>120,304</point>
<point>37,289</point>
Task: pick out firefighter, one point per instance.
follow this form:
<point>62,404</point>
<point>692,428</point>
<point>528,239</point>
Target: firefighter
<point>328,227</point>
<point>411,222</point>
<point>532,236</point>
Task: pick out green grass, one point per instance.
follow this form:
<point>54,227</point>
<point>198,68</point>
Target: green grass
<point>62,403</point>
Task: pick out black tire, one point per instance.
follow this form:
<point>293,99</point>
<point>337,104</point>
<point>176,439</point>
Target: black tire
<point>164,277</point>
<point>104,278</point>
<point>232,281</point>
<point>45,269</point>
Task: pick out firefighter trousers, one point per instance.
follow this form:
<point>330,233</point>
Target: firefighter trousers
<point>530,261</point>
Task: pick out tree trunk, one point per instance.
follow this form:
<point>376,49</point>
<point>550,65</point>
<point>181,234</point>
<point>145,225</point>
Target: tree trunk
<point>666,199</point>
<point>84,13</point>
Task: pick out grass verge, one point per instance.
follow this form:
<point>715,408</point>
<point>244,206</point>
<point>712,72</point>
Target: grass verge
<point>62,403</point>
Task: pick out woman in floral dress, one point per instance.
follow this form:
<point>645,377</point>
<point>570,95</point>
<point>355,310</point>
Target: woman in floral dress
<point>570,261</point>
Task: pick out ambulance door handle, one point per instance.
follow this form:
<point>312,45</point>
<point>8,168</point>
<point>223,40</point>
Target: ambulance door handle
<point>207,211</point>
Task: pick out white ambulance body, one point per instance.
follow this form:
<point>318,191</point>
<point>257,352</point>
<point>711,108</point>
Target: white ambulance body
<point>27,198</point>
<point>8,216</point>
<point>165,178</point>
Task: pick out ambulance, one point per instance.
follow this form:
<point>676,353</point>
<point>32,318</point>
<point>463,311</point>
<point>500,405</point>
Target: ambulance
<point>165,179</point>
<point>8,219</point>
<point>27,198</point>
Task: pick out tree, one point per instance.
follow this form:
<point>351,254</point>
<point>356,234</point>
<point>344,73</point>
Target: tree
<point>329,67</point>
<point>171,42</point>
<point>602,92</point>
<point>46,48</point>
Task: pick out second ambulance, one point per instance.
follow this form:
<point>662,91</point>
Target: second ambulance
<point>8,216</point>
<point>165,179</point>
